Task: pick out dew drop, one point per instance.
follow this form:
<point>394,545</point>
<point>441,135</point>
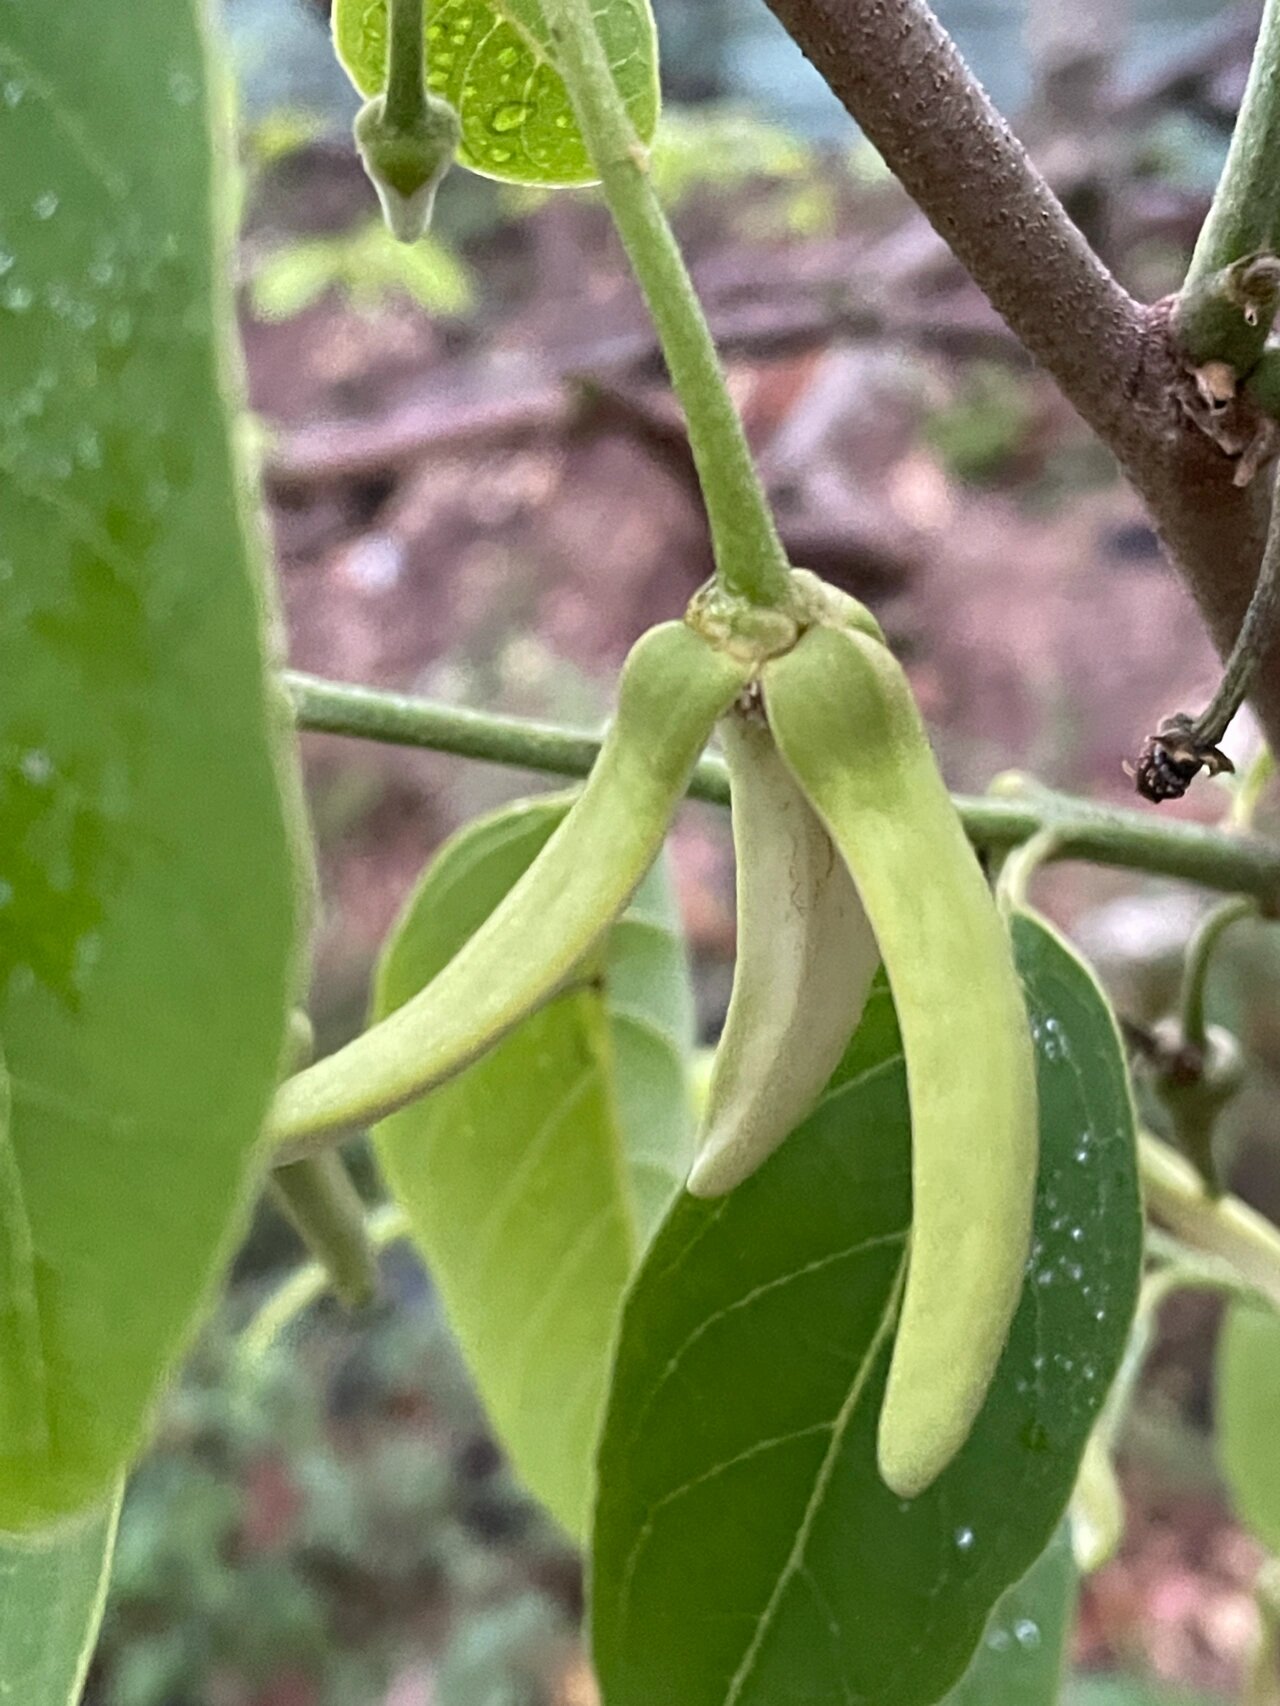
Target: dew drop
<point>17,298</point>
<point>999,1640</point>
<point>13,92</point>
<point>6,262</point>
<point>88,951</point>
<point>510,116</point>
<point>45,206</point>
<point>964,1539</point>
<point>36,766</point>
<point>1026,1634</point>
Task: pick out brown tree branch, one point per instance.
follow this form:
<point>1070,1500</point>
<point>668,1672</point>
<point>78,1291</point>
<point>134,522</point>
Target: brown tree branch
<point>900,76</point>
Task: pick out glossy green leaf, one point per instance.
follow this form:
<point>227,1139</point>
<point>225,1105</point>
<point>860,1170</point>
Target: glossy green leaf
<point>146,897</point>
<point>533,1178</point>
<point>746,1552</point>
<point>1019,1661</point>
<point>493,61</point>
<point>53,1586</point>
<point>1248,1417</point>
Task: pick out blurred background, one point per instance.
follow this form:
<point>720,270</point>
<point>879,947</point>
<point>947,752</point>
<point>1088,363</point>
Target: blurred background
<point>479,490</point>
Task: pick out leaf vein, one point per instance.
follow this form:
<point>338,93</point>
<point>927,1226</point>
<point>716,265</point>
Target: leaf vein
<point>795,1561</point>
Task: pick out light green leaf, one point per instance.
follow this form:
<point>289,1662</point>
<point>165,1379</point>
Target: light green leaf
<point>53,1586</point>
<point>146,896</point>
<point>1248,1417</point>
<point>746,1552</point>
<point>1019,1662</point>
<point>492,60</point>
<point>533,1179</point>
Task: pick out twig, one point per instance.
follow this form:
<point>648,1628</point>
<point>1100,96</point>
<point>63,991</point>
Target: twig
<point>1234,864</point>
<point>1183,745</point>
<point>1221,1226</point>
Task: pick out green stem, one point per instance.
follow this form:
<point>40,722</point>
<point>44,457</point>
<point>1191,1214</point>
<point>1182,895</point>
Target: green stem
<point>1183,745</point>
<point>1222,1226</point>
<point>1183,1269</point>
<point>750,561</point>
<point>1195,974</point>
<point>406,96</point>
<point>1251,787</point>
<point>1020,867</point>
<point>1101,835</point>
<point>1245,216</point>
<point>324,1208</point>
<point>1256,637</point>
<point>308,1284</point>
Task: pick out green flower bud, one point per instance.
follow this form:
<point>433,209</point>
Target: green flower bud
<point>406,162</point>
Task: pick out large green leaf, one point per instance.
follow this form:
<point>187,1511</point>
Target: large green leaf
<point>52,1590</point>
<point>493,61</point>
<point>146,900</point>
<point>1248,1417</point>
<point>534,1177</point>
<point>746,1552</point>
<point>1019,1662</point>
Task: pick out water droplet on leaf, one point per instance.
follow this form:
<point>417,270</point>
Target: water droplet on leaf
<point>510,116</point>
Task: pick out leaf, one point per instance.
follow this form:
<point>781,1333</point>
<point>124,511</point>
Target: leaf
<point>534,1177</point>
<point>1248,1417</point>
<point>492,60</point>
<point>52,1590</point>
<point>146,894</point>
<point>1019,1662</point>
<point>746,1552</point>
